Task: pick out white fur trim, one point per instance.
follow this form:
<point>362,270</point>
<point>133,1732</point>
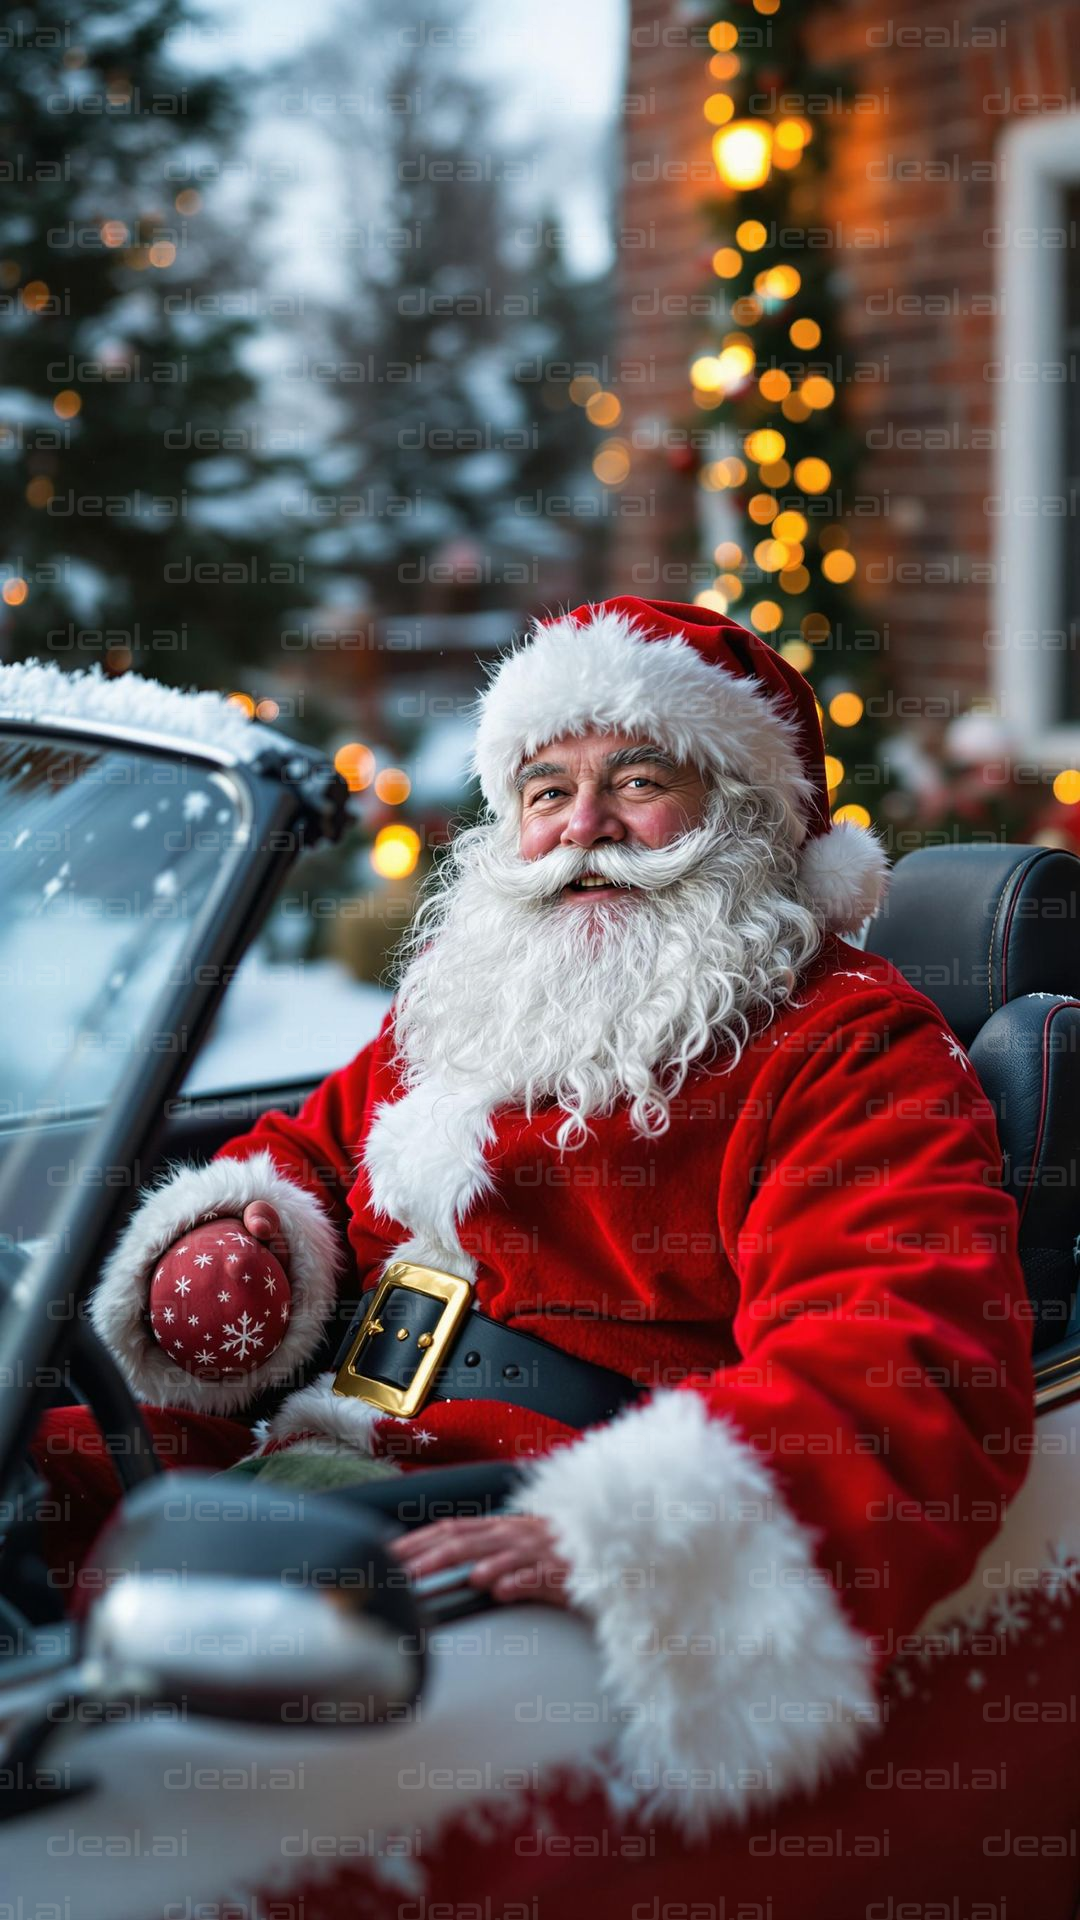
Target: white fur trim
<point>36,690</point>
<point>424,1156</point>
<point>342,1424</point>
<point>118,1308</point>
<point>731,1657</point>
<point>846,874</point>
<point>566,679</point>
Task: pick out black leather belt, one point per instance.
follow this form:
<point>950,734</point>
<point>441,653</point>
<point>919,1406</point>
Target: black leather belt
<point>420,1337</point>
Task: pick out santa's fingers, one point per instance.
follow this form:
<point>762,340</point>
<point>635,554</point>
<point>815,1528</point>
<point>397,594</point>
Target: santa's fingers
<point>263,1222</point>
<point>543,1580</point>
<point>447,1542</point>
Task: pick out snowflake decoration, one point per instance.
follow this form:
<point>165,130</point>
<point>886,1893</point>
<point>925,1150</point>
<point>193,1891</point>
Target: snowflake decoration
<point>195,805</point>
<point>956,1051</point>
<point>140,820</point>
<point>206,1355</point>
<point>239,1239</point>
<point>243,1335</point>
<point>224,1295</point>
<point>183,1284</point>
<point>203,1260</point>
<point>976,1680</point>
<point>1061,1575</point>
<point>231,1259</point>
<point>268,1281</point>
<point>166,885</point>
<point>193,1319</point>
<point>168,1316</point>
<point>1010,1615</point>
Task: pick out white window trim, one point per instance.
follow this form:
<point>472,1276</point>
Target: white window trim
<point>1039,159</point>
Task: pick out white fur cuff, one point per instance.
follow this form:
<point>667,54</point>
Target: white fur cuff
<point>118,1308</point>
<point>337,1422</point>
<point>736,1672</point>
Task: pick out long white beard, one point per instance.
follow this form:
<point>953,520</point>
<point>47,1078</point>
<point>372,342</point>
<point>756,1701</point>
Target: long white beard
<point>513,991</point>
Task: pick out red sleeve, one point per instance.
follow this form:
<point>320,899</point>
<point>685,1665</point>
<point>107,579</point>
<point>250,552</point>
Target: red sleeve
<point>881,1315</point>
<point>319,1149</point>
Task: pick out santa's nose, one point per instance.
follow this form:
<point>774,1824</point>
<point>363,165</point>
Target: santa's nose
<point>591,821</point>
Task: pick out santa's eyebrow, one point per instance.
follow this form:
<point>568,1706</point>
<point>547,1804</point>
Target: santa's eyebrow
<point>640,757</point>
<point>538,769</point>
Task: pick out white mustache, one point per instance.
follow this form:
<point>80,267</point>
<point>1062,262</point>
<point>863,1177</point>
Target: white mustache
<point>649,868</point>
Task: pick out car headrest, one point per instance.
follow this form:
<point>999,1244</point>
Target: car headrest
<point>974,927</point>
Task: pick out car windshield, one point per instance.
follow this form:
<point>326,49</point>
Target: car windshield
<point>108,855</point>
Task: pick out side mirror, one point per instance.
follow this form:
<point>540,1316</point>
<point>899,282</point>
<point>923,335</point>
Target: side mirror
<point>248,1604</point>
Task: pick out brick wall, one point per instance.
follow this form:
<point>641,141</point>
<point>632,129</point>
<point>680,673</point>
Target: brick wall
<point>914,195</point>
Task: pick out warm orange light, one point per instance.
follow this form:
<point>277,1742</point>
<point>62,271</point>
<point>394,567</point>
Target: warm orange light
<point>812,475</point>
<point>1066,786</point>
<point>603,409</point>
<point>393,786</point>
<point>730,586</point>
<point>845,709</point>
<point>765,443</point>
<point>816,391</point>
<point>795,579</point>
<point>724,66</point>
<point>723,36</point>
<point>794,409</point>
<point>114,233</point>
<point>162,253</point>
<point>762,508</point>
<point>40,491</point>
<point>838,566</point>
<point>35,295</point>
<point>582,389</point>
<point>719,108</point>
<point>266,709</point>
<point>15,592</point>
<point>793,135</point>
<point>67,404</point>
<point>742,152</point>
<point>766,615</point>
<point>774,384</point>
<point>798,655</point>
<point>715,602</point>
<point>774,473</point>
<point>727,262</point>
<point>804,334</point>
<point>814,626</point>
<point>243,702</point>
<point>778,283</point>
<point>189,201</point>
<point>611,463</point>
<point>751,235</point>
<point>771,555</point>
<point>356,765</point>
<point>396,851</point>
<point>852,812</point>
<point>834,771</point>
<point>728,554</point>
<point>790,526</point>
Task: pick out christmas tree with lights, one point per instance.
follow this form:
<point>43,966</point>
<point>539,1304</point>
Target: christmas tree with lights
<point>782,477</point>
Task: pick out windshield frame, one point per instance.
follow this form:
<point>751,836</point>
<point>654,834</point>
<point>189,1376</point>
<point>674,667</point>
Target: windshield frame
<point>34,1330</point>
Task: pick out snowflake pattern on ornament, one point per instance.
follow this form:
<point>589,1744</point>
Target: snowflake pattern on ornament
<point>204,1260</point>
<point>182,1284</point>
<point>243,1335</point>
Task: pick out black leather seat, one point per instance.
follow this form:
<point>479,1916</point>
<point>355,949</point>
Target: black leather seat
<point>991,934</point>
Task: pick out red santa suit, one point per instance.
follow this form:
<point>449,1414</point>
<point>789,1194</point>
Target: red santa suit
<point>813,1272</point>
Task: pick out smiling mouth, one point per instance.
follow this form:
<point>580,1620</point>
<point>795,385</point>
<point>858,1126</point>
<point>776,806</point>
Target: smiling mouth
<point>592,883</point>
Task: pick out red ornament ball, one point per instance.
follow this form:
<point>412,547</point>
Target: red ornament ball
<point>219,1301</point>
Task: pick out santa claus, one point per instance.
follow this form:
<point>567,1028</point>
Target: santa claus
<point>654,1186</point>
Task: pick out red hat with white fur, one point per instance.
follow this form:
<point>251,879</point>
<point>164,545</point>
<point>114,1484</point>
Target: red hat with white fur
<point>708,691</point>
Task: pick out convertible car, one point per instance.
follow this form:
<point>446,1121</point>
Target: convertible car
<point>239,1705</point>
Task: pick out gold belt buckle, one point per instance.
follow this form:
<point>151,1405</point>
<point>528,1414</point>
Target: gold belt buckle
<point>455,1294</point>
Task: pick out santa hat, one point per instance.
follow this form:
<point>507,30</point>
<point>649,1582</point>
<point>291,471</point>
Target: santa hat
<point>702,687</point>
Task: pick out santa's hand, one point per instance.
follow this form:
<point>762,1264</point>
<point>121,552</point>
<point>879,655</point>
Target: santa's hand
<point>512,1554</point>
